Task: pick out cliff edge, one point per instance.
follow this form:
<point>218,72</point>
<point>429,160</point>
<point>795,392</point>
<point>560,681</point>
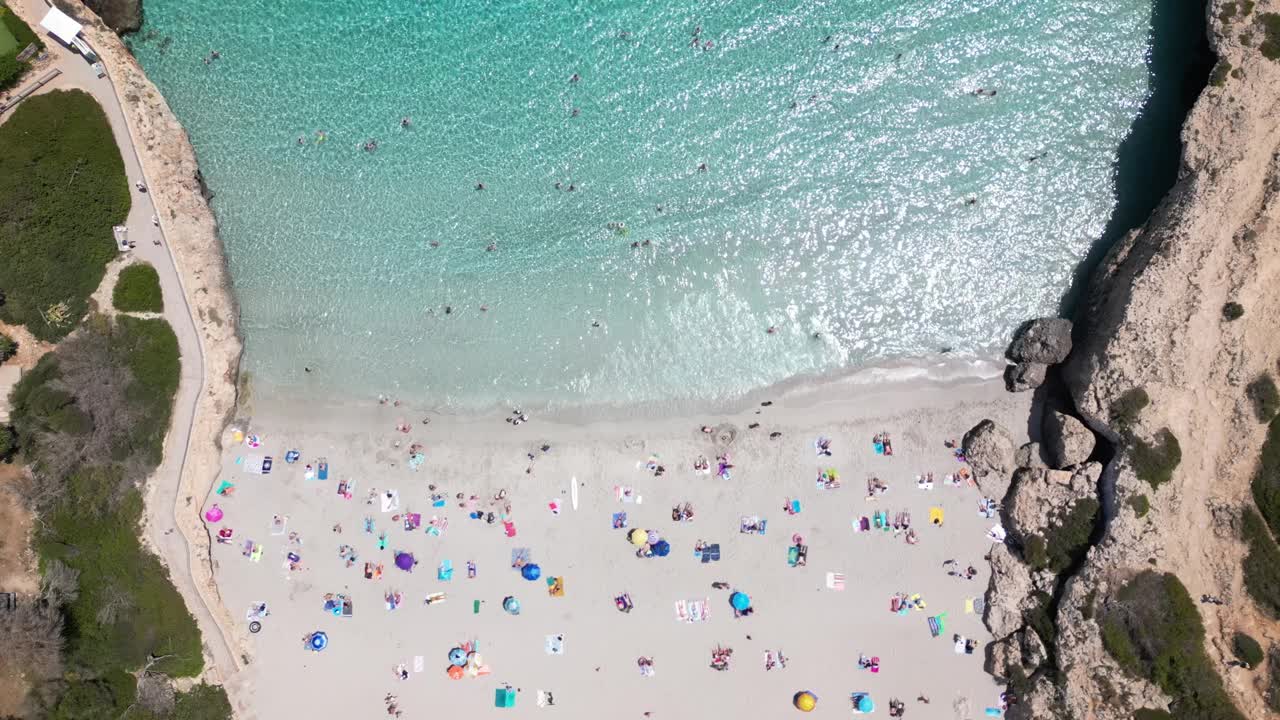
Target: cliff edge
<point>1180,317</point>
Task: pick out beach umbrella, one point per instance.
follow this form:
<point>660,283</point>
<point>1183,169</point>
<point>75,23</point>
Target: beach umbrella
<point>319,640</point>
<point>213,514</point>
<point>404,561</point>
<point>740,601</point>
<point>805,701</point>
<point>653,536</point>
<point>511,605</point>
<point>638,537</point>
<point>531,572</point>
<point>458,657</point>
<point>455,672</point>
<point>862,703</point>
<point>662,548</point>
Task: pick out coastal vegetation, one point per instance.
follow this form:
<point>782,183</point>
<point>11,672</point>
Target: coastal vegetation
<point>63,187</point>
<point>1270,46</point>
<point>91,418</point>
<point>1266,479</point>
<point>1066,539</point>
<point>1140,504</point>
<point>15,36</point>
<point>1152,629</point>
<point>1261,563</point>
<point>1247,650</point>
<point>138,290</point>
<point>1155,462</point>
<point>7,347</point>
<point>1264,397</point>
<point>1126,409</point>
<point>1232,311</point>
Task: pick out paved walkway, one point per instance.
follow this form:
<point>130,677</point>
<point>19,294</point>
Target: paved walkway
<point>151,247</point>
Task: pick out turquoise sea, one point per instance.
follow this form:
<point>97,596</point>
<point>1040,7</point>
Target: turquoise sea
<point>854,184</point>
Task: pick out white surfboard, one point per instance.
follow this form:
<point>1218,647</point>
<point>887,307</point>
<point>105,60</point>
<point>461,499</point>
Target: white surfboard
<point>573,492</point>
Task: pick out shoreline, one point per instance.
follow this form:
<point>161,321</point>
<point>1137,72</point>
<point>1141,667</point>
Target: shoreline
<point>888,377</point>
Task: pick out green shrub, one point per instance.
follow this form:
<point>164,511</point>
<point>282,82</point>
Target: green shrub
<point>8,347</point>
<point>1264,397</point>
<point>138,290</point>
<point>1126,409</point>
<point>21,31</point>
<point>1067,538</point>
<point>1227,12</point>
<point>8,442</point>
<point>1261,563</point>
<point>1232,311</point>
<point>1155,463</point>
<point>1153,630</point>
<point>62,187</point>
<point>1273,672</point>
<point>10,70</point>
<point>1247,650</point>
<point>1140,504</point>
<point>1039,617</point>
<point>1151,714</point>
<point>1035,552</point>
<point>1266,479</point>
<point>202,702</point>
<point>1270,46</point>
<point>1221,72</point>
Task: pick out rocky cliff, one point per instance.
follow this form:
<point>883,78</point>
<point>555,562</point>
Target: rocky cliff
<point>123,16</point>
<point>1153,328</point>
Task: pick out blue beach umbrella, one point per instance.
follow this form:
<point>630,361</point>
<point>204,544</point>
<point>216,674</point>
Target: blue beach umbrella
<point>662,548</point>
<point>531,572</point>
<point>458,656</point>
<point>511,605</point>
<point>740,601</point>
<point>862,703</point>
<point>319,640</point>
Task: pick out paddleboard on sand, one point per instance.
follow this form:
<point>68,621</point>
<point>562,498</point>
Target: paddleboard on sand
<point>573,492</point>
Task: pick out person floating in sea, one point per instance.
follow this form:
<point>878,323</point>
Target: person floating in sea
<point>491,247</point>
<point>702,167</point>
<point>480,186</point>
<point>404,122</point>
<point>370,145</point>
<point>575,78</point>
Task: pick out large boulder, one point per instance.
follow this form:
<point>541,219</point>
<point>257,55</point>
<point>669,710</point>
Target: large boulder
<point>1066,440</point>
<point>1043,340</point>
<point>1041,496</point>
<point>989,450</point>
<point>1029,456</point>
<point>1024,376</point>
<point>1008,593</point>
<point>1023,650</point>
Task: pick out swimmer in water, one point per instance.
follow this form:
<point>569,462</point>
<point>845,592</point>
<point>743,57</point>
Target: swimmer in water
<point>576,112</point>
<point>702,167</point>
<point>434,243</point>
<point>572,187</point>
<point>480,186</point>
<point>575,78</point>
<point>826,40</point>
<point>404,122</point>
<point>773,330</point>
<point>302,140</point>
<point>491,247</point>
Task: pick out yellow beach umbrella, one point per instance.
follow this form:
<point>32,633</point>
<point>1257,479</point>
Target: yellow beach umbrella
<point>805,701</point>
<point>638,537</point>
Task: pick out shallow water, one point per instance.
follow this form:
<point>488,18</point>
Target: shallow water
<point>863,193</point>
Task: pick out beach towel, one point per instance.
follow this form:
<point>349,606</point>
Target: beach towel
<point>544,698</point>
<point>968,606</point>
<point>864,525</point>
<point>879,446</point>
<point>554,506</point>
<point>996,534</point>
<point>390,501</point>
<point>835,581</point>
<point>619,520</point>
<point>509,528</point>
<point>322,470</point>
<point>795,507</point>
<point>256,555</point>
<point>959,645</point>
<point>520,557</point>
<point>224,486</point>
<point>935,628</point>
<point>437,526</point>
<point>419,663</point>
<point>445,571</point>
<point>416,460</point>
<point>555,586</point>
<point>936,516</point>
<point>979,605</point>
<point>554,645</point>
<point>257,465</point>
<point>682,611</point>
<point>437,502</point>
<point>278,524</point>
<point>699,610</point>
<point>627,494</point>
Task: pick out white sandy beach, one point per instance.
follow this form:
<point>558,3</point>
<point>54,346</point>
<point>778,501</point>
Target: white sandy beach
<point>820,631</point>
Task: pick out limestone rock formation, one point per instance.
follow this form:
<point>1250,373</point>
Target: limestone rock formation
<point>1024,376</point>
<point>989,450</point>
<point>122,16</point>
<point>1039,496</point>
<point>1008,594</point>
<point>1044,340</point>
<point>1067,441</point>
<point>1029,455</point>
